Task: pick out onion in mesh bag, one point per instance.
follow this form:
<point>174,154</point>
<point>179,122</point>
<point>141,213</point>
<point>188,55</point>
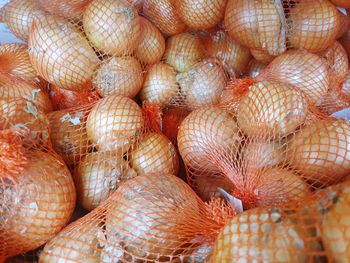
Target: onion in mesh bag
<point>262,56</point>
<point>255,68</point>
<point>72,9</point>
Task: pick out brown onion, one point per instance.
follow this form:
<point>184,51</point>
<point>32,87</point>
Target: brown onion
<point>114,123</point>
<point>203,84</point>
<point>151,48</point>
<point>119,76</point>
<point>164,15</point>
<point>154,153</point>
<point>255,68</point>
<point>112,26</point>
<point>183,51</point>
<point>61,54</point>
<point>72,9</point>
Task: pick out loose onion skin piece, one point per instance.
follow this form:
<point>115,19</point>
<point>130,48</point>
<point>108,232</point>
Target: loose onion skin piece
<point>61,54</point>
<point>320,152</point>
<point>164,15</point>
<point>119,76</point>
<point>71,10</point>
<point>183,51</point>
<point>151,48</point>
<point>154,153</point>
<point>114,123</point>
<point>201,14</point>
<point>271,110</point>
<point>313,28</point>
<point>112,26</point>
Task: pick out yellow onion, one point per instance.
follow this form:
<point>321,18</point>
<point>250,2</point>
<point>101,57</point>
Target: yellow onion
<point>112,26</point>
<point>151,48</point>
<point>98,175</point>
<point>257,24</point>
<point>154,153</point>
<point>119,76</point>
<point>164,15</point>
<point>203,84</point>
<point>262,56</point>
<point>233,56</point>
<point>72,9</point>
<point>342,3</point>
<point>313,27</point>
<point>255,68</point>
<point>114,123</point>
<point>271,110</point>
<point>201,14</point>
<point>75,244</point>
<point>321,151</point>
<point>61,54</point>
<point>68,134</point>
<point>19,15</point>
<point>205,133</point>
<point>183,51</point>
<point>14,60</point>
<point>307,72</point>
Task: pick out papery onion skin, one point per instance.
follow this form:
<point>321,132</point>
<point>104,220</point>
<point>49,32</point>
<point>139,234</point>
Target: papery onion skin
<point>346,85</point>
<point>72,9</point>
<point>119,76</point>
<point>138,4</point>
<point>206,186</point>
<point>262,56</point>
<point>61,54</point>
<point>154,153</point>
<point>164,15</point>
<point>98,175</point>
<point>201,14</point>
<point>151,47</point>
<point>112,26</point>
<point>320,152</point>
<point>255,68</point>
<point>183,51</point>
<point>114,123</point>
<point>313,27</point>
<point>271,110</point>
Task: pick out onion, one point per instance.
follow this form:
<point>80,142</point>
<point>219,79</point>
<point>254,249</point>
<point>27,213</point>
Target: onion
<point>233,56</point>
<point>203,84</point>
<point>98,175</point>
<point>154,153</point>
<point>112,26</point>
<point>206,132</point>
<point>114,123</point>
<point>257,24</point>
<point>346,85</point>
<point>138,4</point>
<point>151,48</point>
<point>321,152</point>
<point>183,51</point>
<point>307,72</point>
<point>37,202</point>
<point>313,27</point>
<point>14,60</point>
<point>19,15</point>
<point>164,15</point>
<point>206,186</point>
<point>160,85</point>
<point>262,56</point>
<point>60,53</point>
<point>271,110</point>
<point>342,3</point>
<point>201,14</point>
<point>71,10</point>
<point>119,76</point>
<point>255,68</point>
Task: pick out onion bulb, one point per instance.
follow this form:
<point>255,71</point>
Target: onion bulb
<point>183,51</point>
<point>271,110</point>
<point>37,202</point>
<point>98,175</point>
<point>14,61</point>
<point>203,84</point>
<point>72,9</point>
<point>151,48</point>
<point>201,14</point>
<point>19,16</point>
<point>342,3</point>
<point>61,54</point>
<point>164,15</point>
<point>307,72</point>
<point>119,76</point>
<point>114,123</point>
<point>205,133</point>
<point>112,26</point>
<point>160,85</point>
<point>154,153</point>
<point>257,24</point>
<point>313,27</point>
<point>321,151</point>
<point>255,68</point>
<point>262,56</point>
